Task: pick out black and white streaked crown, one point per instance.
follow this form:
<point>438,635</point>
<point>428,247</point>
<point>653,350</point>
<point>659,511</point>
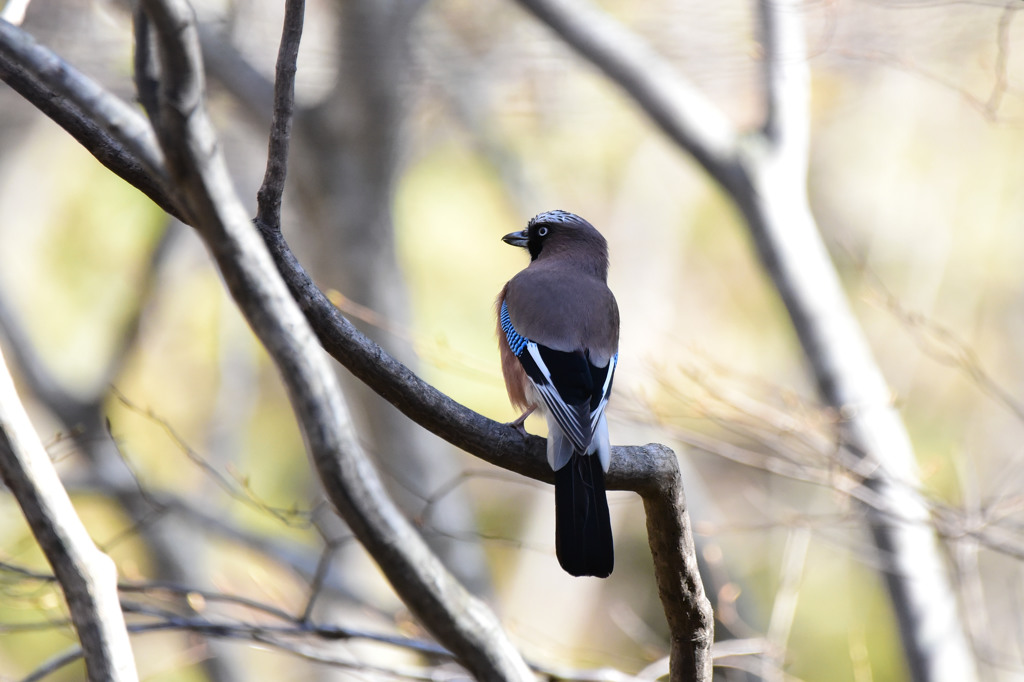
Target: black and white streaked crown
<point>557,216</point>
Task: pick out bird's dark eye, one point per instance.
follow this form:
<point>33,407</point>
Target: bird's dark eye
<point>542,232</point>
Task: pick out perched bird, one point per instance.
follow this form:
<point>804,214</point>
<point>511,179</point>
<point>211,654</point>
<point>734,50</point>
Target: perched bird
<point>558,332</point>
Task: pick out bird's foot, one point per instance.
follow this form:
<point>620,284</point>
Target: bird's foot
<point>518,422</point>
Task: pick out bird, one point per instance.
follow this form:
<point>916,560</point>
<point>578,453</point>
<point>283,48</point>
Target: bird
<point>558,336</point>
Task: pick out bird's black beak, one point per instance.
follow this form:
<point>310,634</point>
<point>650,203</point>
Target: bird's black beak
<point>516,238</point>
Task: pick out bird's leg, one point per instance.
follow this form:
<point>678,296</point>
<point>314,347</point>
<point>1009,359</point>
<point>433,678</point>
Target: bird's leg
<point>518,422</point>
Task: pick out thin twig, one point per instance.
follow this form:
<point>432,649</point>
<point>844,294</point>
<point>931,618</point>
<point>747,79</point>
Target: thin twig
<point>794,558</point>
<point>54,664</point>
<point>235,487</point>
<point>268,198</point>
<point>317,584</point>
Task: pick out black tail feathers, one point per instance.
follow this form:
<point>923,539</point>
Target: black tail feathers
<point>583,532</point>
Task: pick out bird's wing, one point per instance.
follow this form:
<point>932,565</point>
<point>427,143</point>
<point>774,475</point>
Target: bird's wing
<point>561,380</point>
<point>574,391</point>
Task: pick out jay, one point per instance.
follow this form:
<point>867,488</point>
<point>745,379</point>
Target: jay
<point>558,333</point>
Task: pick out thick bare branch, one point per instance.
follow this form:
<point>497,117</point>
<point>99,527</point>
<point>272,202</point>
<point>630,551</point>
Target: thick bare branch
<point>690,619</point>
<point>86,575</point>
<point>111,130</point>
<point>459,621</point>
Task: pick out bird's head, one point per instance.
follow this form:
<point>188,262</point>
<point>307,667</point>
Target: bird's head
<point>561,234</point>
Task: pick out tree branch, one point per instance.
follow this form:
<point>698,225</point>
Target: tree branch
<point>146,68</point>
<point>111,130</point>
<point>86,575</point>
<point>679,109</point>
<point>172,548</point>
<point>268,198</point>
<point>786,79</point>
<point>459,621</point>
<point>282,629</point>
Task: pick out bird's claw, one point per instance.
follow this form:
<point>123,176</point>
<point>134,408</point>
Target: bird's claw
<point>518,422</point>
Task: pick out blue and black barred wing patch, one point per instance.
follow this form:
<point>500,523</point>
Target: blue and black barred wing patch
<point>516,342</point>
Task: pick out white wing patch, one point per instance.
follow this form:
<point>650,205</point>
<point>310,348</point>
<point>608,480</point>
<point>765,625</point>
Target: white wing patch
<point>606,391</point>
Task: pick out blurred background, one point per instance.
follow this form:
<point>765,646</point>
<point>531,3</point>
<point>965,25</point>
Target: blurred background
<point>426,131</point>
